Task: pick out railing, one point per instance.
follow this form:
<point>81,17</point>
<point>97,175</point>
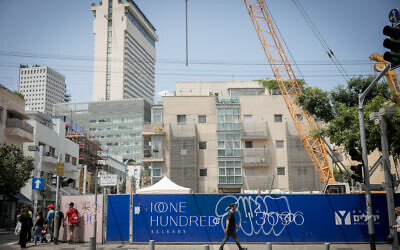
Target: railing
<point>254,129</point>
<point>255,157</point>
<point>18,123</point>
<point>228,100</point>
<point>149,154</point>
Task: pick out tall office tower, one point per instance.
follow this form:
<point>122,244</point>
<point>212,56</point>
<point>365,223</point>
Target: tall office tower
<point>124,52</point>
<point>42,87</point>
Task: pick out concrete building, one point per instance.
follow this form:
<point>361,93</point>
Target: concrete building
<point>13,126</point>
<point>226,137</point>
<point>117,125</point>
<point>42,87</point>
<point>124,52</point>
<point>50,133</point>
<point>13,130</point>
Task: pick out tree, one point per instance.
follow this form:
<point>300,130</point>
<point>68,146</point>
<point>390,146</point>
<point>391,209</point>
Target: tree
<point>338,109</point>
<point>273,84</point>
<point>15,169</point>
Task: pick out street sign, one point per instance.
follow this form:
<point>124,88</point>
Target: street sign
<point>37,183</point>
<point>108,180</point>
<point>394,16</point>
<point>60,168</point>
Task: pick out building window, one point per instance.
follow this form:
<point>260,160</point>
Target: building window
<point>277,118</point>
<point>203,172</point>
<point>203,145</point>
<point>157,115</point>
<point>247,118</point>
<point>52,151</point>
<point>230,172</point>
<point>156,172</point>
<point>301,171</point>
<point>1,115</point>
<point>228,118</point>
<point>229,145</point>
<point>202,118</point>
<point>74,161</point>
<point>279,144</point>
<point>248,144</point>
<point>67,158</point>
<point>181,119</point>
<point>280,171</point>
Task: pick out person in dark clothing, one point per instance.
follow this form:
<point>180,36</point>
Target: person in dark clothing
<point>39,221</point>
<point>230,229</point>
<point>29,236</point>
<point>26,223</point>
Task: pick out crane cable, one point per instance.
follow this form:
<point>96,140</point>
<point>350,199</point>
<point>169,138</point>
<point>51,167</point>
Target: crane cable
<point>320,38</point>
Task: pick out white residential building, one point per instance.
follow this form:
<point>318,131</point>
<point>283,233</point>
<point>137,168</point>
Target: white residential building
<point>42,87</point>
<point>50,133</point>
<point>124,52</point>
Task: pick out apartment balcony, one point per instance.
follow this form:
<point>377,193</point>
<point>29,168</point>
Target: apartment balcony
<point>16,127</point>
<point>150,129</point>
<point>254,130</point>
<point>152,155</point>
<point>48,158</point>
<point>255,157</point>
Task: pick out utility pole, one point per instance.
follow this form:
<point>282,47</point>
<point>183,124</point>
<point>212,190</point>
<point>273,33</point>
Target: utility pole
<point>380,117</point>
<point>37,174</point>
<point>368,201</point>
<point>56,215</point>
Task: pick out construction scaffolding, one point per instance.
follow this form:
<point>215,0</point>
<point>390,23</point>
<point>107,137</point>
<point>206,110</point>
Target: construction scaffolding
<point>183,155</point>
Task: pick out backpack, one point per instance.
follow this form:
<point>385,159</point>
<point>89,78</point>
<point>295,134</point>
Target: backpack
<point>74,216</point>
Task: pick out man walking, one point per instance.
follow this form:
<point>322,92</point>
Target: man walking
<point>73,221</point>
<point>50,221</point>
<point>230,229</point>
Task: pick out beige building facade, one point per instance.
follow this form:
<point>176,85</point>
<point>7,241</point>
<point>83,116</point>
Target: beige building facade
<point>226,137</point>
<point>13,126</point>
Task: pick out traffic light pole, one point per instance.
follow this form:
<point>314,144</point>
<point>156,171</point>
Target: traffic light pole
<point>386,164</point>
<point>361,99</point>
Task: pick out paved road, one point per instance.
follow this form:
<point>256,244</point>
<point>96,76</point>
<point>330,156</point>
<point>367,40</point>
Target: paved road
<point>64,246</point>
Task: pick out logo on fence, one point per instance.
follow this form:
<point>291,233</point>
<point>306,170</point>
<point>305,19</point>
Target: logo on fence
<point>348,218</point>
<point>342,217</point>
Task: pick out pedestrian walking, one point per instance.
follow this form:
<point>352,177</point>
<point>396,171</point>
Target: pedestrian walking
<point>72,215</point>
<point>39,221</point>
<point>26,222</point>
<point>50,221</point>
<point>397,225</point>
<point>231,226</point>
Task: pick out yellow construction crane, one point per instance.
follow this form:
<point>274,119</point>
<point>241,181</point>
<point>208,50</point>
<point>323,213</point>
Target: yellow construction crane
<point>289,87</point>
<point>390,75</point>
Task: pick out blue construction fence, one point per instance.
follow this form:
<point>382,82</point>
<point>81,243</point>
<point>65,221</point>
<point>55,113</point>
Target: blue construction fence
<point>262,218</point>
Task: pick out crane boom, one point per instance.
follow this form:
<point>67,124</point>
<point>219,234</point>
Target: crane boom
<point>289,87</point>
<point>390,75</point>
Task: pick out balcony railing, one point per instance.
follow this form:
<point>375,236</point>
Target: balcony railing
<point>153,129</point>
<point>152,154</point>
<point>255,157</point>
<point>18,123</point>
<point>254,129</point>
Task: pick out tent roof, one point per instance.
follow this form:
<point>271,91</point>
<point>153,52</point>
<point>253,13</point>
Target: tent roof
<point>164,186</point>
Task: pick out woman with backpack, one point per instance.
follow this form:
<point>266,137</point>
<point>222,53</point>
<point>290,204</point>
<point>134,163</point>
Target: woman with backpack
<point>73,221</point>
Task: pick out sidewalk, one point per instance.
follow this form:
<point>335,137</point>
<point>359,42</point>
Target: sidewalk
<point>230,246</point>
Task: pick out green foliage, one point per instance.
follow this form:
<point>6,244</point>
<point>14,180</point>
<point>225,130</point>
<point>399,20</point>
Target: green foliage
<point>15,169</point>
<point>19,94</point>
<point>316,101</point>
<point>273,84</point>
<point>339,108</point>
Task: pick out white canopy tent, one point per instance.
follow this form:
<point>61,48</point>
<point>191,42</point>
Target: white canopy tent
<point>164,186</point>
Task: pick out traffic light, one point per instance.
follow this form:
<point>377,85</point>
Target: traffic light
<point>357,172</point>
<point>356,155</point>
<point>392,43</point>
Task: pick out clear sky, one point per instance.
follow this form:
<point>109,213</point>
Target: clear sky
<point>222,42</point>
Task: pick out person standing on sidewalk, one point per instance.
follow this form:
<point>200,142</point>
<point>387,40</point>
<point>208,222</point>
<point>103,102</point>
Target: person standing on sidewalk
<point>230,229</point>
<point>397,226</point>
<point>73,221</point>
<point>38,226</point>
<point>50,221</point>
<point>26,222</point>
